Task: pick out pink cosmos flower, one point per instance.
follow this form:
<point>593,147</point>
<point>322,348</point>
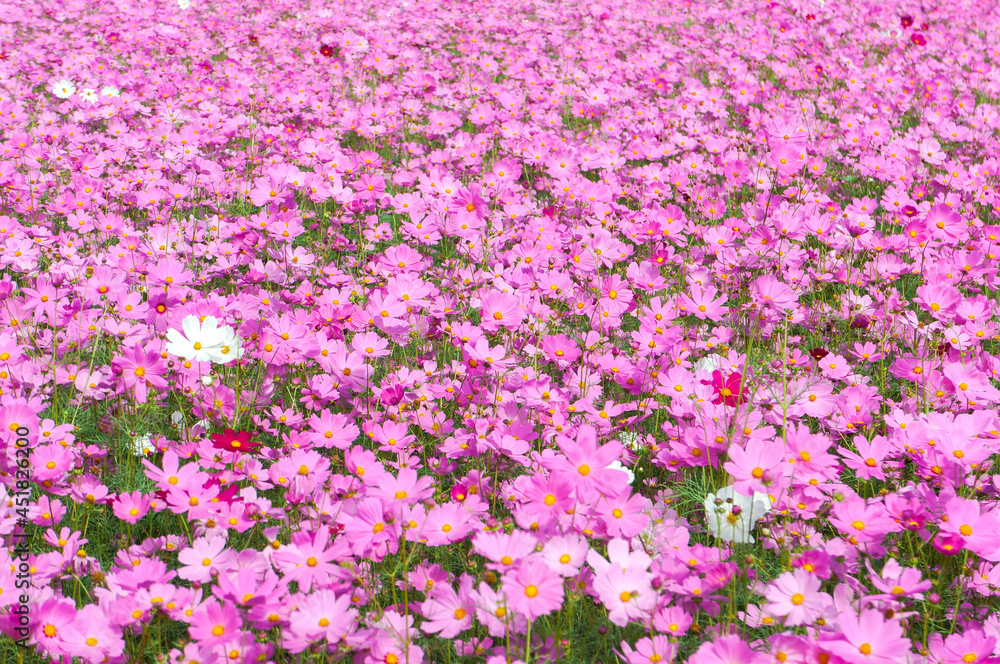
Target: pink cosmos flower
<point>204,559</point>
<point>948,544</point>
<point>626,593</point>
<point>560,349</point>
<point>867,461</point>
<point>95,637</point>
<point>533,591</point>
<point>624,515</point>
<point>311,558</point>
<point>649,650</point>
<point>446,524</point>
<point>565,554</point>
<point>973,646</point>
<point>215,623</point>
<point>796,596</point>
<point>616,297</point>
<point>863,522</point>
<point>501,310</point>
<point>140,370</point>
<point>321,615</point>
<point>897,582</point>
<point>53,626</point>
<point>372,532</point>
<point>703,303</point>
<point>504,550</point>
<point>587,463</point>
<point>448,613</point>
<point>867,638</point>
<point>940,299</point>
<point>672,620</point>
<point>468,202</point>
<point>727,650</point>
<point>756,467</point>
<point>492,611</point>
<point>774,294</point>
<point>620,556</point>
<point>546,498</point>
<point>405,489</point>
<point>979,529</point>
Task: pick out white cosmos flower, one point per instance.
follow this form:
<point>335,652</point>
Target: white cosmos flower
<point>89,94</point>
<point>142,445</point>
<point>110,91</point>
<point>63,88</point>
<point>629,439</point>
<point>731,515</point>
<point>204,341</point>
<point>177,419</point>
<point>183,4</point>
<point>710,363</point>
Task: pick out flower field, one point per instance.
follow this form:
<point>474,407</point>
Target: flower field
<point>510,331</point>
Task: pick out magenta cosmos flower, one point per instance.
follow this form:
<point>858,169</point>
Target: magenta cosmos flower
<point>727,390</point>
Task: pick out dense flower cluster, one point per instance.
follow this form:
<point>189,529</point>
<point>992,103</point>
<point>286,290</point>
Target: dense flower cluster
<point>508,331</point>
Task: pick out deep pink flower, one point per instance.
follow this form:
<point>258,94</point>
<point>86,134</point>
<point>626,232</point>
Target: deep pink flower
<point>728,390</point>
<point>234,441</point>
<point>948,544</point>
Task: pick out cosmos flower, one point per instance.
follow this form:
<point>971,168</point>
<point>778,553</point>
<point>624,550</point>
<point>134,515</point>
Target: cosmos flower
<point>867,637</point>
<point>204,341</point>
<point>471,312</point>
<point>728,389</point>
<point>533,591</point>
<point>732,516</point>
<point>234,441</point>
<point>796,596</point>
<point>142,445</point>
<point>63,88</point>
